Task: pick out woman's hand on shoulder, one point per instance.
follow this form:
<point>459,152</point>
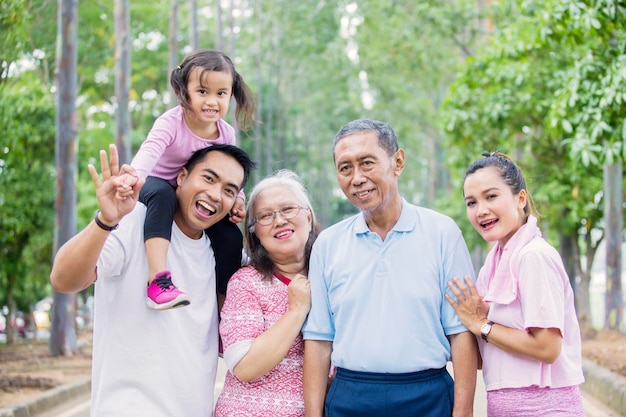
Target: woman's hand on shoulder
<point>469,305</point>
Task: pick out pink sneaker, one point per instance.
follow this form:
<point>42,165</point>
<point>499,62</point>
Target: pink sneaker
<point>163,295</point>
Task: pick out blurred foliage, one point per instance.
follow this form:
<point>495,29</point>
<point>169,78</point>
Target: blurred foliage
<point>26,189</point>
<point>528,94</point>
<point>540,80</point>
<point>13,33</point>
<point>549,89</point>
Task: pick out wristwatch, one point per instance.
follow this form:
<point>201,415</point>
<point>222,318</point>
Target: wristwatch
<point>485,329</point>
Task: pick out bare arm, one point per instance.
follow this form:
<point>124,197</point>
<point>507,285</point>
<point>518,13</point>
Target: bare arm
<point>316,369</point>
<point>540,344</point>
<point>74,266</point>
<point>465,363</point>
<point>269,348</point>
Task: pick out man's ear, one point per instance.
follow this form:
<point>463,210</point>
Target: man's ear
<point>398,161</point>
<point>181,176</point>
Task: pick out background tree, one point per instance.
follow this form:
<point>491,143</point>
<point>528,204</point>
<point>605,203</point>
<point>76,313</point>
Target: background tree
<point>122,80</point>
<point>173,42</point>
<point>520,72</point>
<point>193,24</point>
<point>589,112</point>
<point>62,334</point>
<point>13,33</point>
<point>26,190</point>
<point>512,95</point>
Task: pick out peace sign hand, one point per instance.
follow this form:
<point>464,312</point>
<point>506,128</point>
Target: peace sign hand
<point>117,189</point>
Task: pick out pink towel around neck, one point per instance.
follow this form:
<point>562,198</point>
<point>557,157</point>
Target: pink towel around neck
<point>498,280</point>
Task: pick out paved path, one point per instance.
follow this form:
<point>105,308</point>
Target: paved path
<point>593,408</point>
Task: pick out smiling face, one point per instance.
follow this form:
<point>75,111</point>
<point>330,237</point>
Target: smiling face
<point>367,175</point>
<point>284,239</point>
<point>207,193</point>
<point>492,208</point>
<point>209,97</point>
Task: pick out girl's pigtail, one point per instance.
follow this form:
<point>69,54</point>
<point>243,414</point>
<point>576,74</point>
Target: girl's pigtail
<point>244,114</point>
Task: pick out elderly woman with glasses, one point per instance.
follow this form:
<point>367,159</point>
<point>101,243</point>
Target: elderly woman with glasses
<point>267,303</point>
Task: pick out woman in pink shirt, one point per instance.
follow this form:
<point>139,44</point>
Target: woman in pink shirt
<point>267,303</point>
<point>522,307</point>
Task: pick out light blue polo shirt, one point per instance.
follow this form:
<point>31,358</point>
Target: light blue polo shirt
<point>382,303</point>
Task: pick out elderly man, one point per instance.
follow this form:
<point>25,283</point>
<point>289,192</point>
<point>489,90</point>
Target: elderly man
<point>378,281</point>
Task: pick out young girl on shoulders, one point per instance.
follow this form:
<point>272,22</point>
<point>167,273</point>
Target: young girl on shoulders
<point>204,84</point>
<point>522,306</point>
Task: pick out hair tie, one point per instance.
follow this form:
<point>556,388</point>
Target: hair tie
<point>179,68</point>
<point>491,154</point>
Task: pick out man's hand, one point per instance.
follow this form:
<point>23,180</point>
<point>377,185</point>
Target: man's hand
<point>74,267</point>
<point>238,212</point>
<point>117,189</point>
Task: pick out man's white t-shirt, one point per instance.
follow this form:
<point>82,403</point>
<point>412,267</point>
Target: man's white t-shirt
<point>147,362</point>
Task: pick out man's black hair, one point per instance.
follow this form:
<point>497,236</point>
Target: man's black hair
<point>233,151</point>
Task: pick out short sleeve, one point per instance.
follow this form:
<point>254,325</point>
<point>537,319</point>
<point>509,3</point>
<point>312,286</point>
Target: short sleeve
<point>242,315</point>
<point>319,324</point>
<point>457,264</point>
<point>541,290</point>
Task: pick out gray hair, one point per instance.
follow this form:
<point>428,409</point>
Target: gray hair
<point>387,138</point>
<point>259,258</point>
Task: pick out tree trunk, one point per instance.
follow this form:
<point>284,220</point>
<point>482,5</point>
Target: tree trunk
<point>11,325</point>
<point>430,164</point>
<point>232,53</point>
<point>613,217</point>
<point>219,41</point>
<point>271,102</point>
<point>173,42</point>
<point>269,128</point>
<point>231,30</point>
<point>62,335</point>
<point>62,329</point>
<point>583,296</point>
<point>583,305</point>
<point>581,290</point>
<point>122,80</point>
<point>193,24</point>
<point>259,75</point>
<point>567,251</point>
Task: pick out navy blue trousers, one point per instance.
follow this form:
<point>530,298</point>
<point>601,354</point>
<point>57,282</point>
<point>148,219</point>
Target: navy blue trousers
<point>427,393</point>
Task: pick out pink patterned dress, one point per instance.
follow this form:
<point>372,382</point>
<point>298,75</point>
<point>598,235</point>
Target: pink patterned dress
<point>252,306</point>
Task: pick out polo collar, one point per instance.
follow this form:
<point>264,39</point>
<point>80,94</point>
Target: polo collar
<point>406,221</point>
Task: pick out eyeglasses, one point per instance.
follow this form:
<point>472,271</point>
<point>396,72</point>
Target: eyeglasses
<point>267,217</point>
